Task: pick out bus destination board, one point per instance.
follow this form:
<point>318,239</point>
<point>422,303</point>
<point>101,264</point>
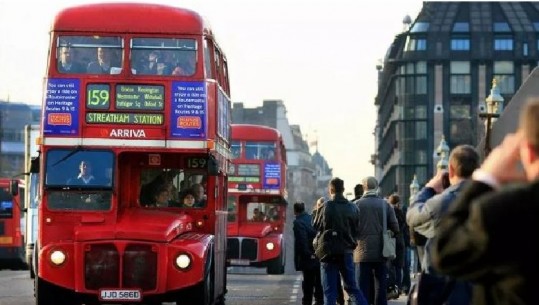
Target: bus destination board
<point>140,97</point>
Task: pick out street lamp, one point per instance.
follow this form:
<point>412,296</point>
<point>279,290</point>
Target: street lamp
<point>443,152</point>
<point>414,188</point>
<point>494,105</point>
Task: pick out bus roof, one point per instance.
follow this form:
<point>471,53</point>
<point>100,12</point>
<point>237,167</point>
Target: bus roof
<point>130,18</point>
<point>254,132</point>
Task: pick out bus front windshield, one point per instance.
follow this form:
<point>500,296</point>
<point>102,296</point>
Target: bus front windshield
<point>79,179</point>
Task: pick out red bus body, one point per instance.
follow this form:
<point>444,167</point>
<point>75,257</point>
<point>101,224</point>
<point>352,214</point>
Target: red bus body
<point>257,184</point>
<point>120,145</point>
<point>12,249</point>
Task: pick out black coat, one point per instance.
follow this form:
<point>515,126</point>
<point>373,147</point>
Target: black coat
<point>304,234</point>
<point>488,237</point>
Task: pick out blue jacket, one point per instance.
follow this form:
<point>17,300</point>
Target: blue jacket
<point>304,234</point>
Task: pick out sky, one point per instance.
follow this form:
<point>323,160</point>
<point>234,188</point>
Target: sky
<point>318,56</point>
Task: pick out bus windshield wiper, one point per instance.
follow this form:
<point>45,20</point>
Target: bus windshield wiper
<point>71,153</point>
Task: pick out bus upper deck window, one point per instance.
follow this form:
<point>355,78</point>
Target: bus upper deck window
<point>163,56</point>
<point>89,55</point>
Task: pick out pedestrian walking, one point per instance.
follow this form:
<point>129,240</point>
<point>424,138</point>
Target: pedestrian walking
<point>481,237</point>
<point>368,254</point>
<point>395,266</point>
<point>337,221</point>
<point>304,258</point>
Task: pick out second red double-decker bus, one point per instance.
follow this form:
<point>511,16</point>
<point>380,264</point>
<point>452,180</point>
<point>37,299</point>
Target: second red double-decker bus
<point>12,249</point>
<point>257,198</point>
<point>135,141</point>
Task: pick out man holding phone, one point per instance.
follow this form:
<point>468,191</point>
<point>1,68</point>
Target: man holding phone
<point>433,200</point>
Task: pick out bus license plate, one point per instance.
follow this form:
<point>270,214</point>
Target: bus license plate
<point>120,295</point>
<point>240,262</point>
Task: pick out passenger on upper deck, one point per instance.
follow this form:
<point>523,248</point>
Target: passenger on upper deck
<point>102,64</point>
<point>67,63</point>
<point>186,65</point>
<point>155,65</point>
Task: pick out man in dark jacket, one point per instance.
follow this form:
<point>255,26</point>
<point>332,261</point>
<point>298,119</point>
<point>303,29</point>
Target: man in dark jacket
<point>395,267</point>
<point>482,237</point>
<point>304,259</point>
<point>368,254</point>
<point>337,221</point>
<point>430,203</point>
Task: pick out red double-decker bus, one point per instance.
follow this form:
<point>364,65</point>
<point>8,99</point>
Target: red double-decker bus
<point>257,198</point>
<point>136,116</point>
<point>12,248</point>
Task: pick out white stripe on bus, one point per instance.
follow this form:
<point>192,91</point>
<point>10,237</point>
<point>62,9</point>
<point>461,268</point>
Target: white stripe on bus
<point>123,142</point>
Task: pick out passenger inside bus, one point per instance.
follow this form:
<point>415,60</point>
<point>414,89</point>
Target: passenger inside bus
<point>85,175</point>
<point>67,62</point>
<point>200,197</point>
<point>258,215</point>
<point>102,64</point>
<point>187,199</point>
<point>185,64</point>
<point>272,215</point>
<point>161,198</point>
<point>156,65</point>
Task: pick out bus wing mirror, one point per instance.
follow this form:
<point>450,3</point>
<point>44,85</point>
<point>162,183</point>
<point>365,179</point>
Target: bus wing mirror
<point>34,165</point>
<point>14,187</point>
<point>213,166</point>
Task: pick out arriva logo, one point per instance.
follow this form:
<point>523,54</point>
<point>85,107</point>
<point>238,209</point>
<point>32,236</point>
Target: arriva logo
<point>127,133</point>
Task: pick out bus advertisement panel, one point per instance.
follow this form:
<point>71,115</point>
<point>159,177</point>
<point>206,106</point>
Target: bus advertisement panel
<point>257,198</point>
<point>134,157</point>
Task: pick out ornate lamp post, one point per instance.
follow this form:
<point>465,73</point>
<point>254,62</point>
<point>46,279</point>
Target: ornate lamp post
<point>414,188</point>
<point>443,152</point>
<point>494,105</point>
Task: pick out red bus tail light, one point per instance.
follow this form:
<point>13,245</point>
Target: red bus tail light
<point>140,267</point>
<point>101,265</point>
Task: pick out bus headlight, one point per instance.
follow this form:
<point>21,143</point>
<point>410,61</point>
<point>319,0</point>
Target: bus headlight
<point>270,246</point>
<point>183,261</point>
<point>58,257</point>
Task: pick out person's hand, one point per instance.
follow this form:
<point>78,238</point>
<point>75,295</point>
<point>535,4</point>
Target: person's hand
<point>503,161</point>
<point>436,182</point>
<point>319,202</point>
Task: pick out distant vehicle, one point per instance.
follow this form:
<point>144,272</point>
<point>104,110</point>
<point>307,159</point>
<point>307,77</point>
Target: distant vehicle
<point>31,159</point>
<point>257,198</point>
<point>12,250</point>
<point>121,143</point>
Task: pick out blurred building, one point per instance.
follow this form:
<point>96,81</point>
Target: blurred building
<point>13,118</point>
<point>302,180</point>
<point>436,75</point>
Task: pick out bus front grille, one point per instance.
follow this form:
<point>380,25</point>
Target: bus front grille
<point>140,267</point>
<point>102,267</point>
<point>249,248</point>
<point>232,248</point>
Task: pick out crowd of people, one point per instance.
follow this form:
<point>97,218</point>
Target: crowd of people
<point>462,232</point>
